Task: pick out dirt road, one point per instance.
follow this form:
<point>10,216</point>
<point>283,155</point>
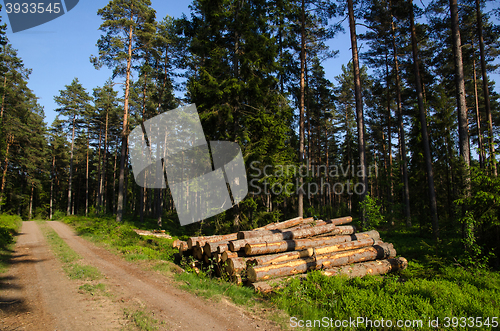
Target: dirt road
<point>37,295</point>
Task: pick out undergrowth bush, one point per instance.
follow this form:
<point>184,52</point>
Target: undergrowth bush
<point>9,225</point>
<point>122,237</point>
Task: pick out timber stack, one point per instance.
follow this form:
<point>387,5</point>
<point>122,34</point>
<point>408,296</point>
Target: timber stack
<point>265,257</point>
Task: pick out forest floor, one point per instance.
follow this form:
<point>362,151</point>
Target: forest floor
<point>37,294</point>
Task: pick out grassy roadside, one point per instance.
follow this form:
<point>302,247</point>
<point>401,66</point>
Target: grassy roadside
<point>157,254</point>
<point>432,287</point>
<point>9,227</point>
<point>90,277</point>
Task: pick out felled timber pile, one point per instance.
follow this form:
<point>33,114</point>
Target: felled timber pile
<point>266,256</point>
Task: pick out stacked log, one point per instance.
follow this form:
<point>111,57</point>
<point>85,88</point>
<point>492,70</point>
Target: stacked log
<point>264,257</point>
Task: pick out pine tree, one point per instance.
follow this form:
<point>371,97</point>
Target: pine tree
<point>73,102</point>
<point>129,28</point>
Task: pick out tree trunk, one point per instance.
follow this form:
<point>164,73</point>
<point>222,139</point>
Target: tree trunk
<point>463,132</point>
<point>486,91</point>
<point>480,146</point>
<point>70,180</point>
<point>31,202</point>
<point>103,182</point>
<point>406,188</point>
<point>389,144</point>
<point>52,185</point>
<point>423,124</point>
<point>87,175</point>
<point>301,108</point>
<point>359,106</point>
<point>98,196</point>
<point>121,179</point>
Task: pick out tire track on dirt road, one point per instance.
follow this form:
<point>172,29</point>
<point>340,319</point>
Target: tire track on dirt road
<point>178,309</point>
<point>37,295</point>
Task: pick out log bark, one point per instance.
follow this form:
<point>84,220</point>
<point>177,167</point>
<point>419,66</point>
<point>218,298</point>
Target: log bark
<point>235,265</point>
<point>236,278</point>
<point>298,266</point>
<point>212,247</point>
<point>270,247</point>
<point>178,243</point>
<point>310,252</point>
<point>223,248</point>
<point>262,233</point>
<point>197,253</point>
<point>200,241</point>
<point>285,224</point>
<point>227,255</point>
<point>379,267</point>
<point>236,245</point>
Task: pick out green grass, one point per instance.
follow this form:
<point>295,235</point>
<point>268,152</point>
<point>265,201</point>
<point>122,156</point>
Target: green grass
<point>94,289</point>
<point>59,247</point>
<point>69,257</point>
<point>9,227</point>
<point>122,238</point>
<point>141,319</point>
<point>433,286</point>
<point>82,272</point>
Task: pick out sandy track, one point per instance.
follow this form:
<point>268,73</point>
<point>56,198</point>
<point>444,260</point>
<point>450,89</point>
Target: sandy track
<point>46,294</point>
<point>37,295</point>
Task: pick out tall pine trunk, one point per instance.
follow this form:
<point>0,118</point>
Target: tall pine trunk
<point>87,175</point>
<point>406,188</point>
<point>301,110</point>
<point>121,177</point>
<point>388,154</point>
<point>478,117</point>
<point>30,213</point>
<point>52,186</point>
<point>486,91</point>
<point>463,130</point>
<point>359,106</point>
<point>103,182</point>
<point>70,180</point>
<point>423,125</point>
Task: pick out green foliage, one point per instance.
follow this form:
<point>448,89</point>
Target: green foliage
<point>9,227</point>
<point>58,215</point>
<point>452,292</point>
<point>482,220</point>
<point>374,217</point>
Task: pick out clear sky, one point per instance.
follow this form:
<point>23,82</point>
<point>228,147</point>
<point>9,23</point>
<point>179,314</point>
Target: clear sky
<point>59,50</point>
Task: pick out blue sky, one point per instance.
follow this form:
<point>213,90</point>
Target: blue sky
<point>59,50</point>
